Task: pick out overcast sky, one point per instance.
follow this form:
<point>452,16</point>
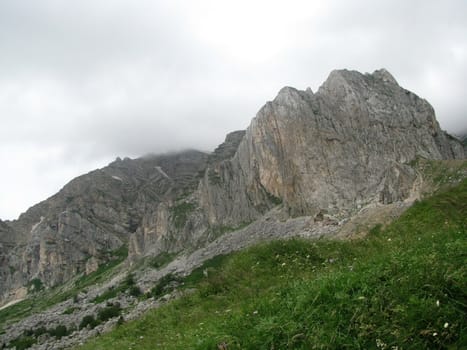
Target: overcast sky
<point>82,82</point>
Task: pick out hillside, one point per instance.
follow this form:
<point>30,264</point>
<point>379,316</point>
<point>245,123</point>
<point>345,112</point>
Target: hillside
<point>403,286</point>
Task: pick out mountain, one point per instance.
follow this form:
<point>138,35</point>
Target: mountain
<point>93,215</point>
<point>307,161</point>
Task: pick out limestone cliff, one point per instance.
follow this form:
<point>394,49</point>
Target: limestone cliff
<point>346,145</point>
<point>311,154</point>
<point>93,215</point>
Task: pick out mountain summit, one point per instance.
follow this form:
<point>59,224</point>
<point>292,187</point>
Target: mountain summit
<point>325,154</point>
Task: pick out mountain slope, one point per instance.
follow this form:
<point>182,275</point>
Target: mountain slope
<point>78,228</point>
<point>356,152</point>
<point>328,153</point>
<point>400,287</point>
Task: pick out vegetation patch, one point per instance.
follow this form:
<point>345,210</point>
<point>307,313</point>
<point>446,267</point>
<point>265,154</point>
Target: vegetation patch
<point>441,174</point>
<point>127,285</point>
<point>161,260</point>
<point>180,213</point>
<point>29,337</point>
<point>23,342</point>
<point>35,285</point>
<point>214,177</point>
<point>70,310</point>
<point>165,285</point>
<point>403,286</point>
<point>110,311</point>
<point>88,321</point>
<point>273,199</point>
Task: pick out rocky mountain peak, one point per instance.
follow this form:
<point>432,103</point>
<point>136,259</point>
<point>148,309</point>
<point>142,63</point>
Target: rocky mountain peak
<point>384,75</point>
<point>228,148</point>
<point>305,154</point>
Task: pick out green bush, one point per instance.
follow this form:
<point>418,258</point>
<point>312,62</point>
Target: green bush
<point>23,342</point>
<point>134,291</point>
<point>88,320</point>
<point>35,285</point>
<point>58,332</point>
<point>163,286</point>
<point>70,310</point>
<point>108,312</point>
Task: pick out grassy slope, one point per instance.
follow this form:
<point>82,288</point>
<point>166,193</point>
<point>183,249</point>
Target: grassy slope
<point>401,287</point>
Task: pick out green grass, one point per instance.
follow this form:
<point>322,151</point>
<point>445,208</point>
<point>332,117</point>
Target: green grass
<point>45,298</point>
<point>441,173</point>
<point>401,287</point>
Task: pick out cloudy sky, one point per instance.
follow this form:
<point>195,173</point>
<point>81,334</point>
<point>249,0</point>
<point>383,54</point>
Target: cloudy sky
<point>82,82</point>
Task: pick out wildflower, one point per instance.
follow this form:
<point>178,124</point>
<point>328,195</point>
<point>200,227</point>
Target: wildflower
<point>283,264</point>
<point>437,303</point>
<point>380,344</point>
<point>389,239</point>
<point>446,325</point>
<point>255,312</point>
<point>435,334</point>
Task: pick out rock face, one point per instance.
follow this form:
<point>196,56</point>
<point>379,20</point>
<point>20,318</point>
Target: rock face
<point>312,154</point>
<point>464,143</point>
<point>347,145</point>
<point>90,218</point>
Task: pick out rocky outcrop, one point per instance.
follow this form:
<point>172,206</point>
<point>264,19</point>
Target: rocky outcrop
<point>89,219</point>
<point>323,154</point>
<point>331,151</point>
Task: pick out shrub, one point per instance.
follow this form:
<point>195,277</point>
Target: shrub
<point>129,280</point>
<point>39,331</point>
<point>108,312</point>
<point>22,343</point>
<point>59,331</point>
<point>135,291</point>
<point>35,285</point>
<point>164,285</point>
<point>69,311</point>
<point>88,320</point>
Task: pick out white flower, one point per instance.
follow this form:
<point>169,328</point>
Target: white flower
<point>435,334</point>
<point>446,325</point>
<point>283,264</point>
<point>437,303</point>
<point>255,312</point>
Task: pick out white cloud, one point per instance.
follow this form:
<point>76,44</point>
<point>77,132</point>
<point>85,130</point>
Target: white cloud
<point>83,82</point>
